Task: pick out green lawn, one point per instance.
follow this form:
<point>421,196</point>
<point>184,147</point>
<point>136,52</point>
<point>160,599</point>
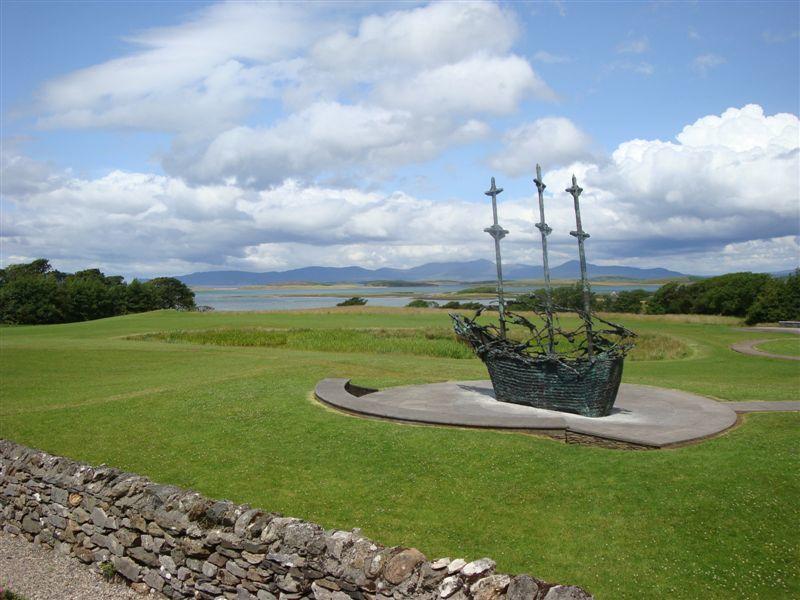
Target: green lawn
<point>789,345</point>
<point>714,520</point>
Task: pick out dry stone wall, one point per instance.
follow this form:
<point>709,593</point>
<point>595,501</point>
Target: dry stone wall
<point>182,545</point>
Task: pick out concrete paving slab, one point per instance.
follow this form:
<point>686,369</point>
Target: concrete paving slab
<point>643,415</point>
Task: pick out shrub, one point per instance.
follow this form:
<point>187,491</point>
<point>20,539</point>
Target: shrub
<point>420,303</point>
<point>354,301</point>
<point>453,305</point>
<point>108,570</point>
<point>626,301</point>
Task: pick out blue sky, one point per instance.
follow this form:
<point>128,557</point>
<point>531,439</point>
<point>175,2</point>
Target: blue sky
<point>187,136</point>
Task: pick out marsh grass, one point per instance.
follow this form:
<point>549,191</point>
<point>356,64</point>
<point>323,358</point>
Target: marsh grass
<point>689,319</point>
<point>437,342</point>
<point>655,346</point>
<point>431,341</point>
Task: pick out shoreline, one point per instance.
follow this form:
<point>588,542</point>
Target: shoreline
<point>513,286</point>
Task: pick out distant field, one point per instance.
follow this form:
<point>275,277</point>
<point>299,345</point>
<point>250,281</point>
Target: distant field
<point>232,416</point>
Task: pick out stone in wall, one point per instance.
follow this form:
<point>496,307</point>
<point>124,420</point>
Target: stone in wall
<point>180,544</point>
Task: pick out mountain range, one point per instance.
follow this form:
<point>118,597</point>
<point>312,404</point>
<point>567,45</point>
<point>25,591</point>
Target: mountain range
<point>465,271</point>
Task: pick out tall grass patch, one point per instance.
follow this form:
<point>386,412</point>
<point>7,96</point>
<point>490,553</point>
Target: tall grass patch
<point>655,346</point>
<point>437,342</point>
<point>432,341</point>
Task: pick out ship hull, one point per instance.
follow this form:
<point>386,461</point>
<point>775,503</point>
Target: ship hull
<point>578,386</point>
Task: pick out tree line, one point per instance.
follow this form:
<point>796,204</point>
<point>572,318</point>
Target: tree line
<point>755,297</point>
<point>36,293</point>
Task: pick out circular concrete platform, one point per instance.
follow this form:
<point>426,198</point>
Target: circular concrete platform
<point>643,416</point>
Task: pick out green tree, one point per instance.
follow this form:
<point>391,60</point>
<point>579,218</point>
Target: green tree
<point>779,300</point>
<point>730,295</point>
<point>626,301</point>
<point>89,294</point>
<point>671,298</point>
<point>28,299</point>
<point>34,292</point>
<point>169,292</point>
<point>139,297</point>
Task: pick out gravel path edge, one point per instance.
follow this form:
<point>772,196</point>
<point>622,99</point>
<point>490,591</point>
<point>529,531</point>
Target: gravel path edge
<point>37,572</point>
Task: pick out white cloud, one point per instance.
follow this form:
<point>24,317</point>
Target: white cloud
<point>642,67</point>
<point>772,37</point>
<point>552,141</point>
<point>723,195</point>
<point>634,46</point>
<point>424,37</point>
<point>730,179</point>
<point>551,59</point>
<point>20,175</point>
<point>205,73</point>
<point>323,137</point>
<point>704,63</point>
<point>318,89</point>
<point>480,84</point>
<point>743,129</point>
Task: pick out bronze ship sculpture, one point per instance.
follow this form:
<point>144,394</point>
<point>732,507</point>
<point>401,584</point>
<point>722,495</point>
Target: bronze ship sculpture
<point>576,371</point>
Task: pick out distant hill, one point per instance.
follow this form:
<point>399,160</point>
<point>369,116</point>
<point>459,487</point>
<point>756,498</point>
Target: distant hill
<point>466,271</point>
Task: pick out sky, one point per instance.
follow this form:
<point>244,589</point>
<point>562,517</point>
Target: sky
<point>163,138</point>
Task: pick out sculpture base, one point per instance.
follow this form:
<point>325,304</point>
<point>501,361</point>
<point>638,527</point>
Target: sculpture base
<point>643,416</point>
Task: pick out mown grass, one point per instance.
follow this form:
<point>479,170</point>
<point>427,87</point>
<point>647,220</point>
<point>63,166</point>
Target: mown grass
<point>436,342</point>
<point>713,520</point>
<point>789,346</point>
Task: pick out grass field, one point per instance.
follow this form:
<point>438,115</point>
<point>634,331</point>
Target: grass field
<point>713,520</point>
<point>789,345</point>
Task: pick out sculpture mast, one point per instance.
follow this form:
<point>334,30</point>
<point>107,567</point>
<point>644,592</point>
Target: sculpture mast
<point>498,233</point>
<point>581,235</point>
<point>545,230</point>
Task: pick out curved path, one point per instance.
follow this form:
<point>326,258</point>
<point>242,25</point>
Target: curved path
<point>749,346</point>
<point>644,416</point>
